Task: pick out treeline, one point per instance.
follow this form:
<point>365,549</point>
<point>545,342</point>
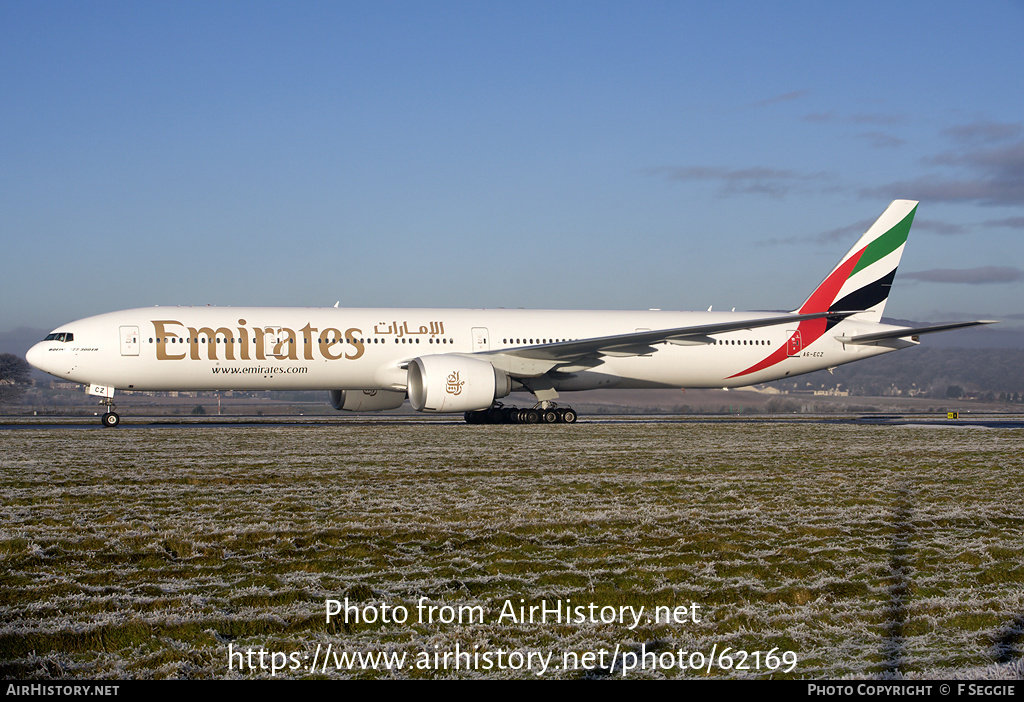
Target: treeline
<point>928,371</point>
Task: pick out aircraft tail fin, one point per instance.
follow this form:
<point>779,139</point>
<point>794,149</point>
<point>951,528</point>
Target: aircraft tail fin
<point>862,279</point>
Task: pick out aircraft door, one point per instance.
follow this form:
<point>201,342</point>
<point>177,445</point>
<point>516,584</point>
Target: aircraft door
<point>129,341</point>
<point>273,342</point>
<point>794,346</point>
<point>480,342</point>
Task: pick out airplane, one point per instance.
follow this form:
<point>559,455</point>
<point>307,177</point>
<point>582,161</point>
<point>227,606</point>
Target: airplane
<point>467,360</point>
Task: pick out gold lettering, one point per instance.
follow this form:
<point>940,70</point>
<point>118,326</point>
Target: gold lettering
<point>325,343</point>
<point>243,340</point>
<point>211,343</point>
<point>355,341</point>
<point>274,342</point>
<point>162,335</point>
<point>307,341</point>
<point>286,343</point>
<point>260,346</point>
<point>229,343</point>
<point>194,342</point>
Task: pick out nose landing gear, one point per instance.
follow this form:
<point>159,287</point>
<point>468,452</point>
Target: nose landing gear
<point>106,395</point>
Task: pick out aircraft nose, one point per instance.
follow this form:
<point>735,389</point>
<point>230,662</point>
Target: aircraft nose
<point>35,356</point>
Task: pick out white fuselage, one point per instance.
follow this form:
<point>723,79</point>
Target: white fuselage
<point>267,348</point>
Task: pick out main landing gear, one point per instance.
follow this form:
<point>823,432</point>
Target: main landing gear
<point>499,414</point>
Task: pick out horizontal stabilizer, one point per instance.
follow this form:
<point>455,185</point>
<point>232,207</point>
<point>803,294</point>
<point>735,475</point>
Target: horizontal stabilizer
<point>905,332</point>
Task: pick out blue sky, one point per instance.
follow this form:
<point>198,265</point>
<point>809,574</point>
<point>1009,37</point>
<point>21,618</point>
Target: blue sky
<point>557,154</point>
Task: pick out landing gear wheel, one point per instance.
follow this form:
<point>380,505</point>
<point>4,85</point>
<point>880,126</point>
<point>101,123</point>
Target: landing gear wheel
<point>500,414</point>
<point>110,419</point>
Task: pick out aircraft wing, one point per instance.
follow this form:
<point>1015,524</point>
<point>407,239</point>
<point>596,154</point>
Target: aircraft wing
<point>910,331</point>
<point>639,343</point>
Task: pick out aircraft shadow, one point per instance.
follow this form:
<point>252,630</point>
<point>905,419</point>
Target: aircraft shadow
<point>900,572</point>
<point>1007,640</point>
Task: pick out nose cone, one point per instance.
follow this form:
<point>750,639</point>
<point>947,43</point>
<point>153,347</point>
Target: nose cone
<point>36,356</point>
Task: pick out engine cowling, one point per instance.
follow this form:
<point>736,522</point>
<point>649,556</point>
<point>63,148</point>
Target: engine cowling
<point>365,400</point>
<point>449,383</point>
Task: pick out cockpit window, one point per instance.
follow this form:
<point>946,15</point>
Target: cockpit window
<point>60,336</point>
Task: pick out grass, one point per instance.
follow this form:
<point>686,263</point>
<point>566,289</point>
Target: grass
<point>866,550</point>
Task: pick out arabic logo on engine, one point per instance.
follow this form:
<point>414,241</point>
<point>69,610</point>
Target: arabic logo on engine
<point>454,384</point>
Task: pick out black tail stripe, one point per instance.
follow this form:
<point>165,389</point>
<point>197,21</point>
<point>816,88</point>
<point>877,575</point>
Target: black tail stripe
<point>867,296</point>
<point>864,298</point>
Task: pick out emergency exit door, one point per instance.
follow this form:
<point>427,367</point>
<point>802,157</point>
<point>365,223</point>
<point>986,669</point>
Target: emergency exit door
<point>129,341</point>
<point>480,342</point>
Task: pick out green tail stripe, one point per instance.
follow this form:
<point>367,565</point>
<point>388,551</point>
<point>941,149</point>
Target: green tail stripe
<point>886,244</point>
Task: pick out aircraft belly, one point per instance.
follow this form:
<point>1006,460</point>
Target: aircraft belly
<point>228,375</point>
<point>715,366</point>
<point>669,367</point>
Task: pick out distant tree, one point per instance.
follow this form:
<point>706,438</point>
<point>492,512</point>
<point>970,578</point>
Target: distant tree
<point>15,378</point>
<point>954,392</point>
<point>198,409</point>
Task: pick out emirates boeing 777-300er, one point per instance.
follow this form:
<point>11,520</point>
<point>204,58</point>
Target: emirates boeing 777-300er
<point>466,360</point>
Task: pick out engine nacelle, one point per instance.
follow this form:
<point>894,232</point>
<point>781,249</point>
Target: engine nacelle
<point>365,400</point>
<point>449,383</point>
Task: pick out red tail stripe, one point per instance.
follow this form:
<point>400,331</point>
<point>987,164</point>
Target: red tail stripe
<point>810,330</point>
<point>826,293</point>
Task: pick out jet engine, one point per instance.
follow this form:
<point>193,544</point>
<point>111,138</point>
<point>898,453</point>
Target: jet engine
<point>450,383</point>
<point>365,400</point>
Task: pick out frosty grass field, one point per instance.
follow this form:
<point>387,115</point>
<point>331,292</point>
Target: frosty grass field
<point>867,551</point>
